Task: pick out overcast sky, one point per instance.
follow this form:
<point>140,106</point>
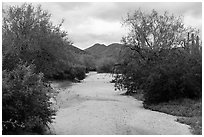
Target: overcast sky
<point>89,23</point>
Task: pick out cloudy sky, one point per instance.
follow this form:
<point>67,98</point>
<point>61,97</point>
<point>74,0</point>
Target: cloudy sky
<point>88,23</point>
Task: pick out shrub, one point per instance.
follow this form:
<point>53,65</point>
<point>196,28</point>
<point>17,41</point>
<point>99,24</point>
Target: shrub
<point>157,62</point>
<point>25,101</point>
<point>105,65</point>
<point>74,72</point>
<point>79,72</point>
<point>177,75</point>
<point>89,62</point>
<point>29,35</point>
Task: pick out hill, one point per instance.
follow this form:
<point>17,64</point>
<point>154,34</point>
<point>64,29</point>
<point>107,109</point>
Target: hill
<point>96,50</point>
<point>81,57</point>
<point>101,50</point>
<point>105,57</point>
<point>76,50</point>
<point>112,50</point>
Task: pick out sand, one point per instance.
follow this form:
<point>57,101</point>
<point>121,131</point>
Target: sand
<point>93,107</point>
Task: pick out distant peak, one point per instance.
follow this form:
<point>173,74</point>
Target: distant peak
<point>98,44</point>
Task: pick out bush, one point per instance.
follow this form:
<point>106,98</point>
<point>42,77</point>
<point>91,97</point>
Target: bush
<point>25,101</point>
<point>29,35</point>
<point>88,61</point>
<point>79,72</point>
<point>161,61</point>
<point>74,72</point>
<point>105,65</point>
<point>171,74</point>
<point>177,75</point>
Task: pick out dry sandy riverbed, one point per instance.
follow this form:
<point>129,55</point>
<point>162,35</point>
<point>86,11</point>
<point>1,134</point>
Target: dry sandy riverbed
<point>93,107</point>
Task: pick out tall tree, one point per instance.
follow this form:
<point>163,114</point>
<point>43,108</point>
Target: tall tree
<point>154,31</point>
<point>29,35</point>
<point>156,60</point>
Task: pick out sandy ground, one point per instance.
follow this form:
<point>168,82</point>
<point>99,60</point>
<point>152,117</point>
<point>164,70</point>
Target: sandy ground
<point>93,107</point>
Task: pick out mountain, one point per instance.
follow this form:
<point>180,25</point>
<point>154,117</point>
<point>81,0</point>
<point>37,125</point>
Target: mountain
<point>80,57</point>
<point>101,50</point>
<point>112,50</point>
<point>103,58</point>
<point>96,50</point>
<point>77,50</point>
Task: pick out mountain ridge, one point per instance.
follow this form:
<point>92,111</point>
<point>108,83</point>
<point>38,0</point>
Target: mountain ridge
<point>101,50</point>
<point>98,56</point>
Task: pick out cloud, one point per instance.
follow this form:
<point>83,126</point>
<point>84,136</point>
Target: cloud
<point>89,22</point>
<point>97,30</point>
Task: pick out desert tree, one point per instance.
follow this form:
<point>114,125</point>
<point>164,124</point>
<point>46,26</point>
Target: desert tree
<point>154,54</point>
<point>29,35</point>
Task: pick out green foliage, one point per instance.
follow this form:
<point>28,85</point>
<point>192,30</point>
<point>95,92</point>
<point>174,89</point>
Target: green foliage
<point>29,35</point>
<point>26,102</point>
<point>74,72</point>
<point>79,72</point>
<point>89,62</point>
<point>176,75</point>
<point>105,65</point>
<point>154,62</point>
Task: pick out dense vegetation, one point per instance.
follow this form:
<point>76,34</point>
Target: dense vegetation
<point>29,35</point>
<point>105,65</point>
<point>33,51</point>
<point>161,60</point>
<point>26,105</point>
